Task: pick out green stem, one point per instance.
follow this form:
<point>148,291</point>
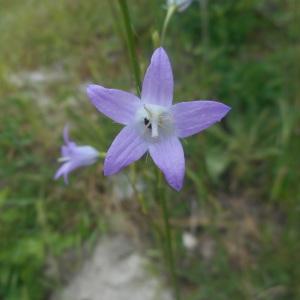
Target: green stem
<point>204,27</point>
<point>139,196</point>
<point>170,12</point>
<point>168,235</point>
<point>117,20</point>
<point>131,45</point>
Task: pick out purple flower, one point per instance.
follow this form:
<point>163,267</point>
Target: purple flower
<point>73,156</point>
<point>180,4</point>
<point>152,123</point>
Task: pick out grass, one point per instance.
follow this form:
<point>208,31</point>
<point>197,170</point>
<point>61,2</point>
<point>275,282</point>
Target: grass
<point>242,176</point>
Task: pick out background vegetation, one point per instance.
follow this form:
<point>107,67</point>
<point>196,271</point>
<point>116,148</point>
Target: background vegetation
<point>242,184</point>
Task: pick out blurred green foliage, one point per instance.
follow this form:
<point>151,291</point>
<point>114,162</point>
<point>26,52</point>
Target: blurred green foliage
<point>245,53</point>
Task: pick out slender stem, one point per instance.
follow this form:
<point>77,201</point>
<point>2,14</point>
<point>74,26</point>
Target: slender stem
<point>117,21</point>
<point>131,45</point>
<point>137,77</point>
<point>168,235</point>
<point>139,196</point>
<point>168,17</point>
<point>204,26</point>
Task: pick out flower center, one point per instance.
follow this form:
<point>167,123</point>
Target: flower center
<point>154,121</point>
<point>147,123</point>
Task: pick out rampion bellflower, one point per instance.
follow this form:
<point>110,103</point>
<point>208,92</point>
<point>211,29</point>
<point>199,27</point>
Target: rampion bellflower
<point>152,123</point>
<point>73,156</point>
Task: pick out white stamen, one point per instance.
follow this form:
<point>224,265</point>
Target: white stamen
<point>154,125</point>
<point>156,120</point>
<point>63,159</point>
<point>148,111</point>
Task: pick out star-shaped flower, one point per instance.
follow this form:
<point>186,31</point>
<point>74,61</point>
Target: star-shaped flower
<point>73,156</point>
<point>152,123</point>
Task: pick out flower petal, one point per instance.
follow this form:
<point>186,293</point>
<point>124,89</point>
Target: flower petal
<point>126,148</point>
<point>65,169</point>
<point>118,105</point>
<point>158,82</point>
<point>183,5</point>
<point>68,150</point>
<point>85,155</point>
<point>169,157</point>
<point>195,116</point>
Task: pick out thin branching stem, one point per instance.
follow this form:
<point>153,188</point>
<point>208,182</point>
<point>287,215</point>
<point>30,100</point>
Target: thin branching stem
<point>169,252</point>
<point>131,45</point>
<point>204,27</point>
<point>171,10</point>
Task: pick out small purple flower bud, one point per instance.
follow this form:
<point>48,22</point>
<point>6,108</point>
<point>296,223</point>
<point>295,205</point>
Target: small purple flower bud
<point>73,157</point>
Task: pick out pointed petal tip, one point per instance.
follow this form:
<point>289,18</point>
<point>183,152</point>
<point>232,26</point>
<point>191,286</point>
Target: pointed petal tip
<point>218,103</point>
<point>63,170</point>
<point>160,51</point>
<point>227,109</point>
<point>224,110</point>
<point>90,88</point>
<point>58,174</point>
<point>108,168</point>
<point>107,171</point>
<point>176,186</point>
<point>91,85</point>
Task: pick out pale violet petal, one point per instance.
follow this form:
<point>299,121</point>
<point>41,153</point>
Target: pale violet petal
<point>126,148</point>
<point>168,155</point>
<point>60,171</point>
<point>65,169</point>
<point>184,5</point>
<point>74,157</point>
<point>85,155</point>
<point>158,82</point>
<point>181,4</point>
<point>118,105</point>
<point>68,149</point>
<point>194,116</point>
